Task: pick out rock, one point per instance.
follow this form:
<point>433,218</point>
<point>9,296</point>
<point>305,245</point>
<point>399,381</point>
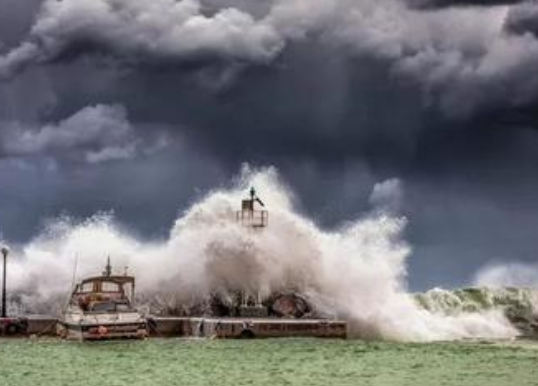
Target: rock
<point>288,305</point>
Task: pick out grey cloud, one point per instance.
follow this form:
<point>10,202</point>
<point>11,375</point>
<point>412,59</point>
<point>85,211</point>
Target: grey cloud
<point>462,66</point>
<point>446,52</point>
<point>141,30</point>
<point>96,134</point>
<point>523,19</point>
<point>18,59</point>
<point>16,18</point>
<point>460,85</point>
<point>454,3</point>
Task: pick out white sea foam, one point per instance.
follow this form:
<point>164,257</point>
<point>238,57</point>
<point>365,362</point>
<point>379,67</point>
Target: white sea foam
<point>357,272</point>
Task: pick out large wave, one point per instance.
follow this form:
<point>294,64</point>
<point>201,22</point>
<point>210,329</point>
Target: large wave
<point>519,305</point>
<point>357,273</point>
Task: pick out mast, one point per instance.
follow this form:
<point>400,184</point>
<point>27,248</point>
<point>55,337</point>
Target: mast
<point>108,268</point>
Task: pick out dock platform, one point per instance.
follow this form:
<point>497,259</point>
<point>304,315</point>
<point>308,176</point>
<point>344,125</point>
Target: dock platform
<point>234,328</point>
<point>223,328</point>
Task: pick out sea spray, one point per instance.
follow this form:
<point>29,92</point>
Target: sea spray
<point>508,274</point>
<point>479,299</point>
<point>357,272</point>
<point>519,305</point>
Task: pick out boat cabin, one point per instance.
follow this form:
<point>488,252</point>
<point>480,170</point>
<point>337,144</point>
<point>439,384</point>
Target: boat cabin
<point>105,294</point>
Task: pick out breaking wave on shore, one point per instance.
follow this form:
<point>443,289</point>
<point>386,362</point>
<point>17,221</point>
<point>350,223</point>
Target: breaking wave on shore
<point>357,272</point>
<point>519,305</point>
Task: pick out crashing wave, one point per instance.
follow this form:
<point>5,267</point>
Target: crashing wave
<point>519,305</point>
<point>356,272</point>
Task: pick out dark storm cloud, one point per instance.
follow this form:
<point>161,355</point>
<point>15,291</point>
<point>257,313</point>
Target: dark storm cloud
<point>340,95</point>
<point>458,3</point>
<point>161,29</point>
<point>523,19</point>
<point>16,19</point>
<point>445,52</point>
<point>145,193</point>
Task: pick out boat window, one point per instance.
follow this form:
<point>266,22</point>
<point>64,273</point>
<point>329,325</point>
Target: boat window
<point>110,307</point>
<point>103,307</point>
<point>122,307</point>
<point>87,287</point>
<point>108,286</point>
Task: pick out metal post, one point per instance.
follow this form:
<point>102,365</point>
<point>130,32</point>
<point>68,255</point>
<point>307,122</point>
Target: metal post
<point>4,308</point>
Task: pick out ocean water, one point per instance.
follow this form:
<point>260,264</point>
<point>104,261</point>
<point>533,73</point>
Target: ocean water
<point>169,362</point>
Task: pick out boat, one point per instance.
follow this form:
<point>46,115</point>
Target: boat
<point>101,307</point>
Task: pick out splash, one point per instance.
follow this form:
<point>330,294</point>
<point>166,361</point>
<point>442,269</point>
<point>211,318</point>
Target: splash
<point>479,299</point>
<point>357,272</point>
<point>519,305</point>
<point>514,274</point>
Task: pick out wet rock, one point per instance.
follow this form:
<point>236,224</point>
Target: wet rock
<point>290,305</point>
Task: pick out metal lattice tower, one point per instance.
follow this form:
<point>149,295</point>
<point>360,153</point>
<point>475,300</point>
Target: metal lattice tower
<point>251,217</point>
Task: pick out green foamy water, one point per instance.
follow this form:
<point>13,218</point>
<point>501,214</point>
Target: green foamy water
<point>265,362</point>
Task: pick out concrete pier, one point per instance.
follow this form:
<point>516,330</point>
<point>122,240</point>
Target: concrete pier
<point>224,328</point>
<point>171,326</point>
<point>42,325</point>
<point>233,328</point>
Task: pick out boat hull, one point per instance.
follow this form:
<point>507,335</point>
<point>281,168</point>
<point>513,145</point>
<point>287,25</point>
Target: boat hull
<point>87,332</point>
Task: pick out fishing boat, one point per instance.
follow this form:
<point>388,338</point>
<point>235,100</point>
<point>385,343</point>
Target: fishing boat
<point>101,307</point>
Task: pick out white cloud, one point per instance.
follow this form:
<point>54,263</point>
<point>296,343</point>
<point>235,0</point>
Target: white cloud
<point>387,195</point>
<point>94,134</point>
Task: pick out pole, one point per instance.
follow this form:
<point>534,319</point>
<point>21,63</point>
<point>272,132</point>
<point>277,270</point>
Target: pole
<point>4,309</point>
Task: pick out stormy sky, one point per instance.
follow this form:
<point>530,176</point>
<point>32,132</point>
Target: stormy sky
<point>143,106</point>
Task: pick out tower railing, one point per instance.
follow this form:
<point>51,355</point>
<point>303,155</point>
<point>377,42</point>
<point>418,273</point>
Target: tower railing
<point>254,219</point>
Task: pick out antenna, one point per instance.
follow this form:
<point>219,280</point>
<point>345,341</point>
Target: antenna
<point>74,278</point>
<point>108,268</point>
